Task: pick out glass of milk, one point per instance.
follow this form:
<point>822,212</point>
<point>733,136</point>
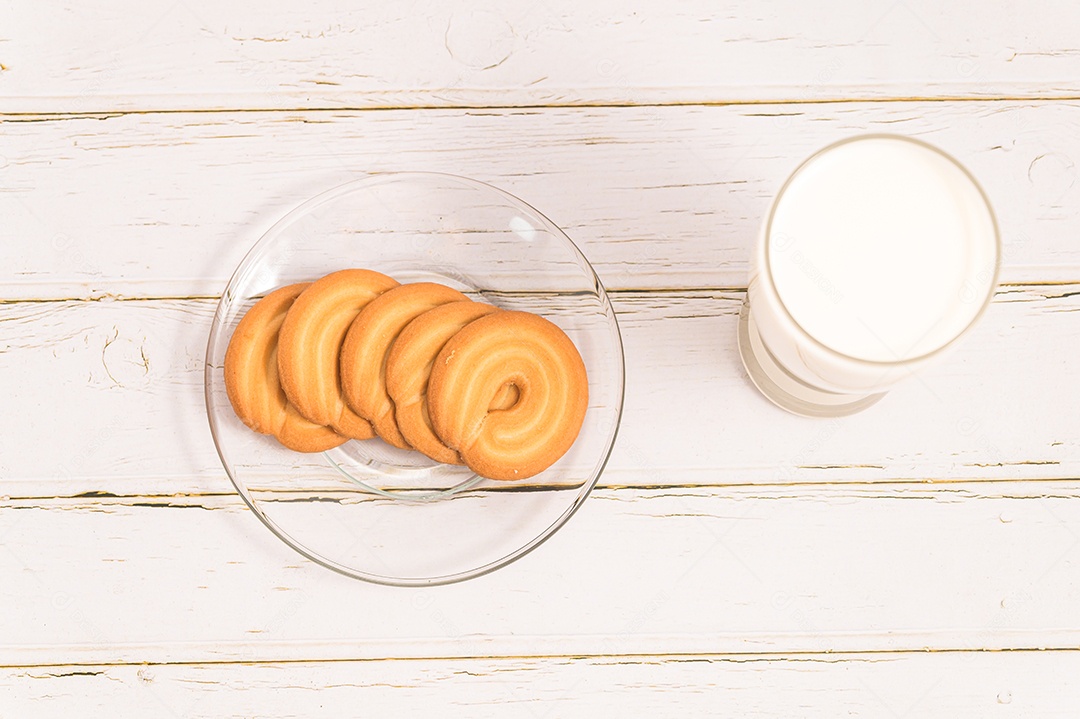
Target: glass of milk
<point>877,254</point>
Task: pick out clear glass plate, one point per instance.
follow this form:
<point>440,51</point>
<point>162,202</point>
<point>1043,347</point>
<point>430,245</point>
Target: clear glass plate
<point>367,509</point>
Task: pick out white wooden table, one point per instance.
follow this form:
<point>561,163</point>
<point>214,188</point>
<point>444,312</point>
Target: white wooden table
<point>921,559</point>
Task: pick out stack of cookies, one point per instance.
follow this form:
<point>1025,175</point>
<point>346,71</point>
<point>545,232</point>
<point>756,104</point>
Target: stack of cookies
<point>356,355</point>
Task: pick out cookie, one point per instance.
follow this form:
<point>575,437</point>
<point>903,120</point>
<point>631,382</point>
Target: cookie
<point>310,344</point>
<point>408,367</point>
<point>541,362</point>
<point>364,352</point>
<point>251,378</point>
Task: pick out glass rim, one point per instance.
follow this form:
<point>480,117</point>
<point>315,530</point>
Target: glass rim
<point>992,287</point>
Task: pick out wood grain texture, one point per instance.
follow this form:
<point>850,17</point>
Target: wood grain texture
<point>129,377</point>
<point>132,55</point>
<point>167,204</point>
<point>935,686</point>
<point>686,571</point>
<point>735,560</point>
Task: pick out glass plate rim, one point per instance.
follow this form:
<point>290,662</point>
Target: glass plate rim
<point>270,235</point>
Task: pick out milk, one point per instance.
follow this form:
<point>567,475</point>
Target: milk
<point>877,254</point>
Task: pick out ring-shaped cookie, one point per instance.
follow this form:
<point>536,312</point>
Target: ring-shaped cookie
<point>251,378</point>
<point>535,356</point>
<point>310,344</point>
<point>364,352</point>
<point>408,367</point>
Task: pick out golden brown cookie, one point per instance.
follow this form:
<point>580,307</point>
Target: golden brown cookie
<point>535,356</point>
<point>408,366</point>
<point>364,352</point>
<point>310,344</point>
<point>251,378</point>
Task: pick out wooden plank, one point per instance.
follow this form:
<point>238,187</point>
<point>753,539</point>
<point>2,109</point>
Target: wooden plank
<point>946,686</point>
<point>683,571</point>
<point>132,55</point>
<point>109,396</point>
<point>167,205</point>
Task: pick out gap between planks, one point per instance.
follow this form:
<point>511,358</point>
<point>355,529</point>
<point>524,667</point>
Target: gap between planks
<point>620,658</point>
<point>898,488</point>
<point>615,293</point>
<point>115,106</point>
<point>844,655</point>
